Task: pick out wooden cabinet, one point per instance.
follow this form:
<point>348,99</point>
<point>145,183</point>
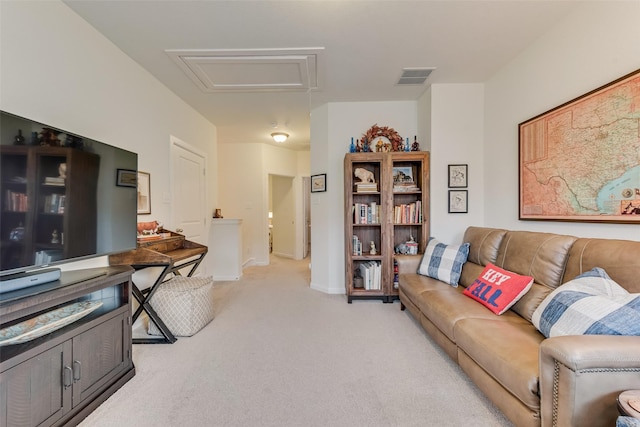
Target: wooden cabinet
<point>62,376</point>
<point>42,214</point>
<point>391,213</point>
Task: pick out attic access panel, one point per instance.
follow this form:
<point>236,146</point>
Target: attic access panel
<point>255,70</point>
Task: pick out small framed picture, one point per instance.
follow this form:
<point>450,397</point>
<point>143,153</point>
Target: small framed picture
<point>319,183</point>
<point>458,201</point>
<point>126,178</point>
<point>402,174</point>
<point>458,176</point>
<point>144,193</point>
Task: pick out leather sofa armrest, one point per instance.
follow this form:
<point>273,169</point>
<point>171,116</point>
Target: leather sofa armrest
<point>408,264</point>
<point>581,377</point>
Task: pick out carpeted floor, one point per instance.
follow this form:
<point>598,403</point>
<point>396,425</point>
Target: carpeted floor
<point>281,354</point>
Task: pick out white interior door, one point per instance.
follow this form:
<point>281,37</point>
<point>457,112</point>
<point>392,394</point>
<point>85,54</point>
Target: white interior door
<point>188,184</point>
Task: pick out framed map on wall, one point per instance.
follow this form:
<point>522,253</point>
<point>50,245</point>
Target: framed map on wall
<point>581,161</point>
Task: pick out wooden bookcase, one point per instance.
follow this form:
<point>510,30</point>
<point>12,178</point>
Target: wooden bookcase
<point>389,213</point>
<point>39,204</point>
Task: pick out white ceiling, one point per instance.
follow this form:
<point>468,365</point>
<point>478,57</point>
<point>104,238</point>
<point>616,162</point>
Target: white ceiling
<point>366,44</point>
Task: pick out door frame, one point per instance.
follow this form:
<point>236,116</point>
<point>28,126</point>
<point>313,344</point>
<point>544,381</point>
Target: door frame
<point>176,143</point>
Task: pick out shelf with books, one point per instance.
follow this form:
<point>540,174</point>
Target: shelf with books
<point>411,208</point>
<point>365,240</point>
<point>395,214</point>
<point>36,209</point>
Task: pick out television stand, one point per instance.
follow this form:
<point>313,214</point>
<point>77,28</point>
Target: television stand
<point>63,375</point>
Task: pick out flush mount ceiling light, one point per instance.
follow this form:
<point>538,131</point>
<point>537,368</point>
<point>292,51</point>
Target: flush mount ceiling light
<point>279,136</point>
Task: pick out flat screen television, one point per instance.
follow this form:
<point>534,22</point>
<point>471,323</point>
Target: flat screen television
<point>64,197</point>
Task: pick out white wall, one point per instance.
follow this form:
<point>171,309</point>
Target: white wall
<point>58,70</point>
<point>594,45</point>
<point>457,131</point>
<point>332,126</point>
<point>244,190</point>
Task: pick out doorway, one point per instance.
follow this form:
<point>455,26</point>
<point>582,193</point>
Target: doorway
<point>282,206</point>
<point>306,209</point>
<point>188,190</point>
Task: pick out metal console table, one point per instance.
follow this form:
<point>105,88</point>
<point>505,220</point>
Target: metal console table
<point>172,254</point>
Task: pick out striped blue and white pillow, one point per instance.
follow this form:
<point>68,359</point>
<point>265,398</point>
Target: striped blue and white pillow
<point>443,262</point>
<point>590,304</point>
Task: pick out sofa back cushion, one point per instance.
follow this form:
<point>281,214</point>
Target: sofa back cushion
<point>483,244</point>
<point>540,255</point>
<point>483,249</point>
<point>619,258</point>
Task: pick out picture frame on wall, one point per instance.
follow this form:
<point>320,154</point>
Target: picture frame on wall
<point>579,161</point>
<point>319,183</point>
<point>144,193</point>
<point>458,176</point>
<point>126,178</point>
<point>458,201</point>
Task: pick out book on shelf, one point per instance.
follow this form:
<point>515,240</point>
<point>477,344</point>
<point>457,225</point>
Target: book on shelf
<point>356,245</point>
<point>53,180</point>
<point>405,187</point>
<point>410,213</point>
<point>371,273</point>
<point>18,180</point>
<point>47,256</point>
<point>54,203</point>
<point>364,213</point>
<point>15,201</point>
<point>366,187</point>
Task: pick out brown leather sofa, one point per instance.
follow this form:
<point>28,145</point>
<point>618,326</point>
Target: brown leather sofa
<point>559,381</point>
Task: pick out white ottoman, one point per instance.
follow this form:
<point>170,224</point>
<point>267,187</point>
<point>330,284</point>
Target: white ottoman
<point>185,305</point>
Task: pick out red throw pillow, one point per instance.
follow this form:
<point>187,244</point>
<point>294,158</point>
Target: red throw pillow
<point>498,289</point>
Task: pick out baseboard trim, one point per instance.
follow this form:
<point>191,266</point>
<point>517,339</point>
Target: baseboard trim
<point>327,290</point>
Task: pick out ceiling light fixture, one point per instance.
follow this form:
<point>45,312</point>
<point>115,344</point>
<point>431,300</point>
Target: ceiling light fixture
<point>279,136</point>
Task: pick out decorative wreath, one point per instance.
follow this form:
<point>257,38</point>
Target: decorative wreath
<point>395,140</point>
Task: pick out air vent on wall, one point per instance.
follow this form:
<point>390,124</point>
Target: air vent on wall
<point>414,76</point>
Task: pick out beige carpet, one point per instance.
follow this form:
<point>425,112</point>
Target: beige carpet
<point>281,354</point>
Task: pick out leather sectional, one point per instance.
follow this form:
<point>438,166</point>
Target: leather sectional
<point>533,380</point>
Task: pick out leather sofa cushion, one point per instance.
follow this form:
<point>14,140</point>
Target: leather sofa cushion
<point>446,305</point>
<point>470,272</point>
<point>531,300</point>
<point>483,244</point>
<point>619,258</point>
<point>540,255</point>
<point>508,351</point>
<point>412,285</point>
<point>407,263</point>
